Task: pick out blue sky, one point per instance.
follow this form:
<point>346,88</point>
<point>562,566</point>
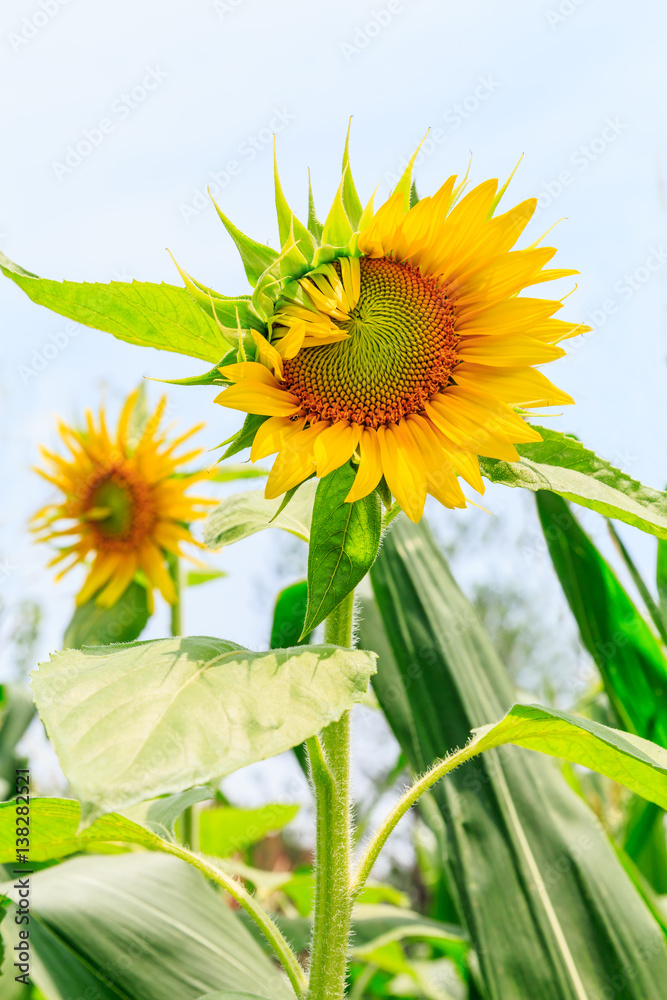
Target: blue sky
<point>162,99</point>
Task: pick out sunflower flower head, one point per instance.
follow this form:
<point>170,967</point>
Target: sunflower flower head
<point>398,339</point>
<point>123,504</point>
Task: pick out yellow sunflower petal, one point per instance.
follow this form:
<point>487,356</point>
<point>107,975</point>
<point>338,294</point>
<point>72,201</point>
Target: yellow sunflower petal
<point>249,371</point>
<point>295,462</point>
<point>369,470</point>
<point>404,468</point>
<point>335,446</point>
<point>262,399</point>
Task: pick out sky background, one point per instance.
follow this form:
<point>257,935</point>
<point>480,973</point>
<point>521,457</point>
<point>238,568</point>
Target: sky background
<point>186,89</point>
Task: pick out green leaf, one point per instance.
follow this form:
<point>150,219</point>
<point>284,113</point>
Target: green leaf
<point>629,658</point>
<point>56,834</point>
<point>233,996</point>
<point>562,465</point>
<point>514,836</point>
<point>661,576</point>
<point>16,713</point>
<point>255,256</point>
<point>190,710</point>
<point>624,757</point>
<point>638,580</point>
<point>212,377</point>
<point>138,925</point>
<point>244,514</point>
<point>351,201</point>
<point>343,544</point>
<point>195,577</point>
<point>245,436</point>
<point>92,625</point>
<point>289,616</point>
<point>243,470</point>
<point>160,316</point>
<point>225,830</point>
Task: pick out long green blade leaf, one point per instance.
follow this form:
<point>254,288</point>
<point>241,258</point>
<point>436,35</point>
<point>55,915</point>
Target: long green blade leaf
<point>628,656</point>
<point>138,926</point>
<point>512,829</point>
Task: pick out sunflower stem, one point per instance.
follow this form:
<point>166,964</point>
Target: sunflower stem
<point>176,621</point>
<point>330,769</point>
<point>188,827</point>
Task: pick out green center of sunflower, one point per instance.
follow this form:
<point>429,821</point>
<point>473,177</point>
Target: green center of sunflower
<point>112,502</point>
<point>400,352</point>
<point>119,508</point>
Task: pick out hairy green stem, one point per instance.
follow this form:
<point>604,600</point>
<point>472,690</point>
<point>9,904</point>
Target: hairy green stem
<point>268,927</point>
<point>405,803</point>
<point>330,768</point>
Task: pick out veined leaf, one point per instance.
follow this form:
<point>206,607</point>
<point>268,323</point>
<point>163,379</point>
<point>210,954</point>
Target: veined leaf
<point>190,710</point>
<point>562,465</point>
<point>344,541</point>
<point>225,830</point>
<point>92,625</point>
<point>628,656</point>
<point>244,514</point>
<point>513,832</point>
<point>160,316</point>
<point>138,925</point>
<point>632,761</point>
<point>55,825</point>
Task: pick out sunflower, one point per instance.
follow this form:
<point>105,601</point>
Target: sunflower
<point>397,339</point>
<point>126,501</point>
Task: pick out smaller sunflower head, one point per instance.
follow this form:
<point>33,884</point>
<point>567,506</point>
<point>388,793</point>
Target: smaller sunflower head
<point>123,504</point>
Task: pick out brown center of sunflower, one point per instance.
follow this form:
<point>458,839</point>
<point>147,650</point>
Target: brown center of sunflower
<point>400,353</point>
<point>119,508</point>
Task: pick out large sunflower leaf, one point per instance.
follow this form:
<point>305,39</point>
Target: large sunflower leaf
<point>139,312</point>
<point>138,925</point>
<point>562,465</point>
<point>243,514</point>
<point>189,710</point>
<point>344,541</point>
<point>515,836</point>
